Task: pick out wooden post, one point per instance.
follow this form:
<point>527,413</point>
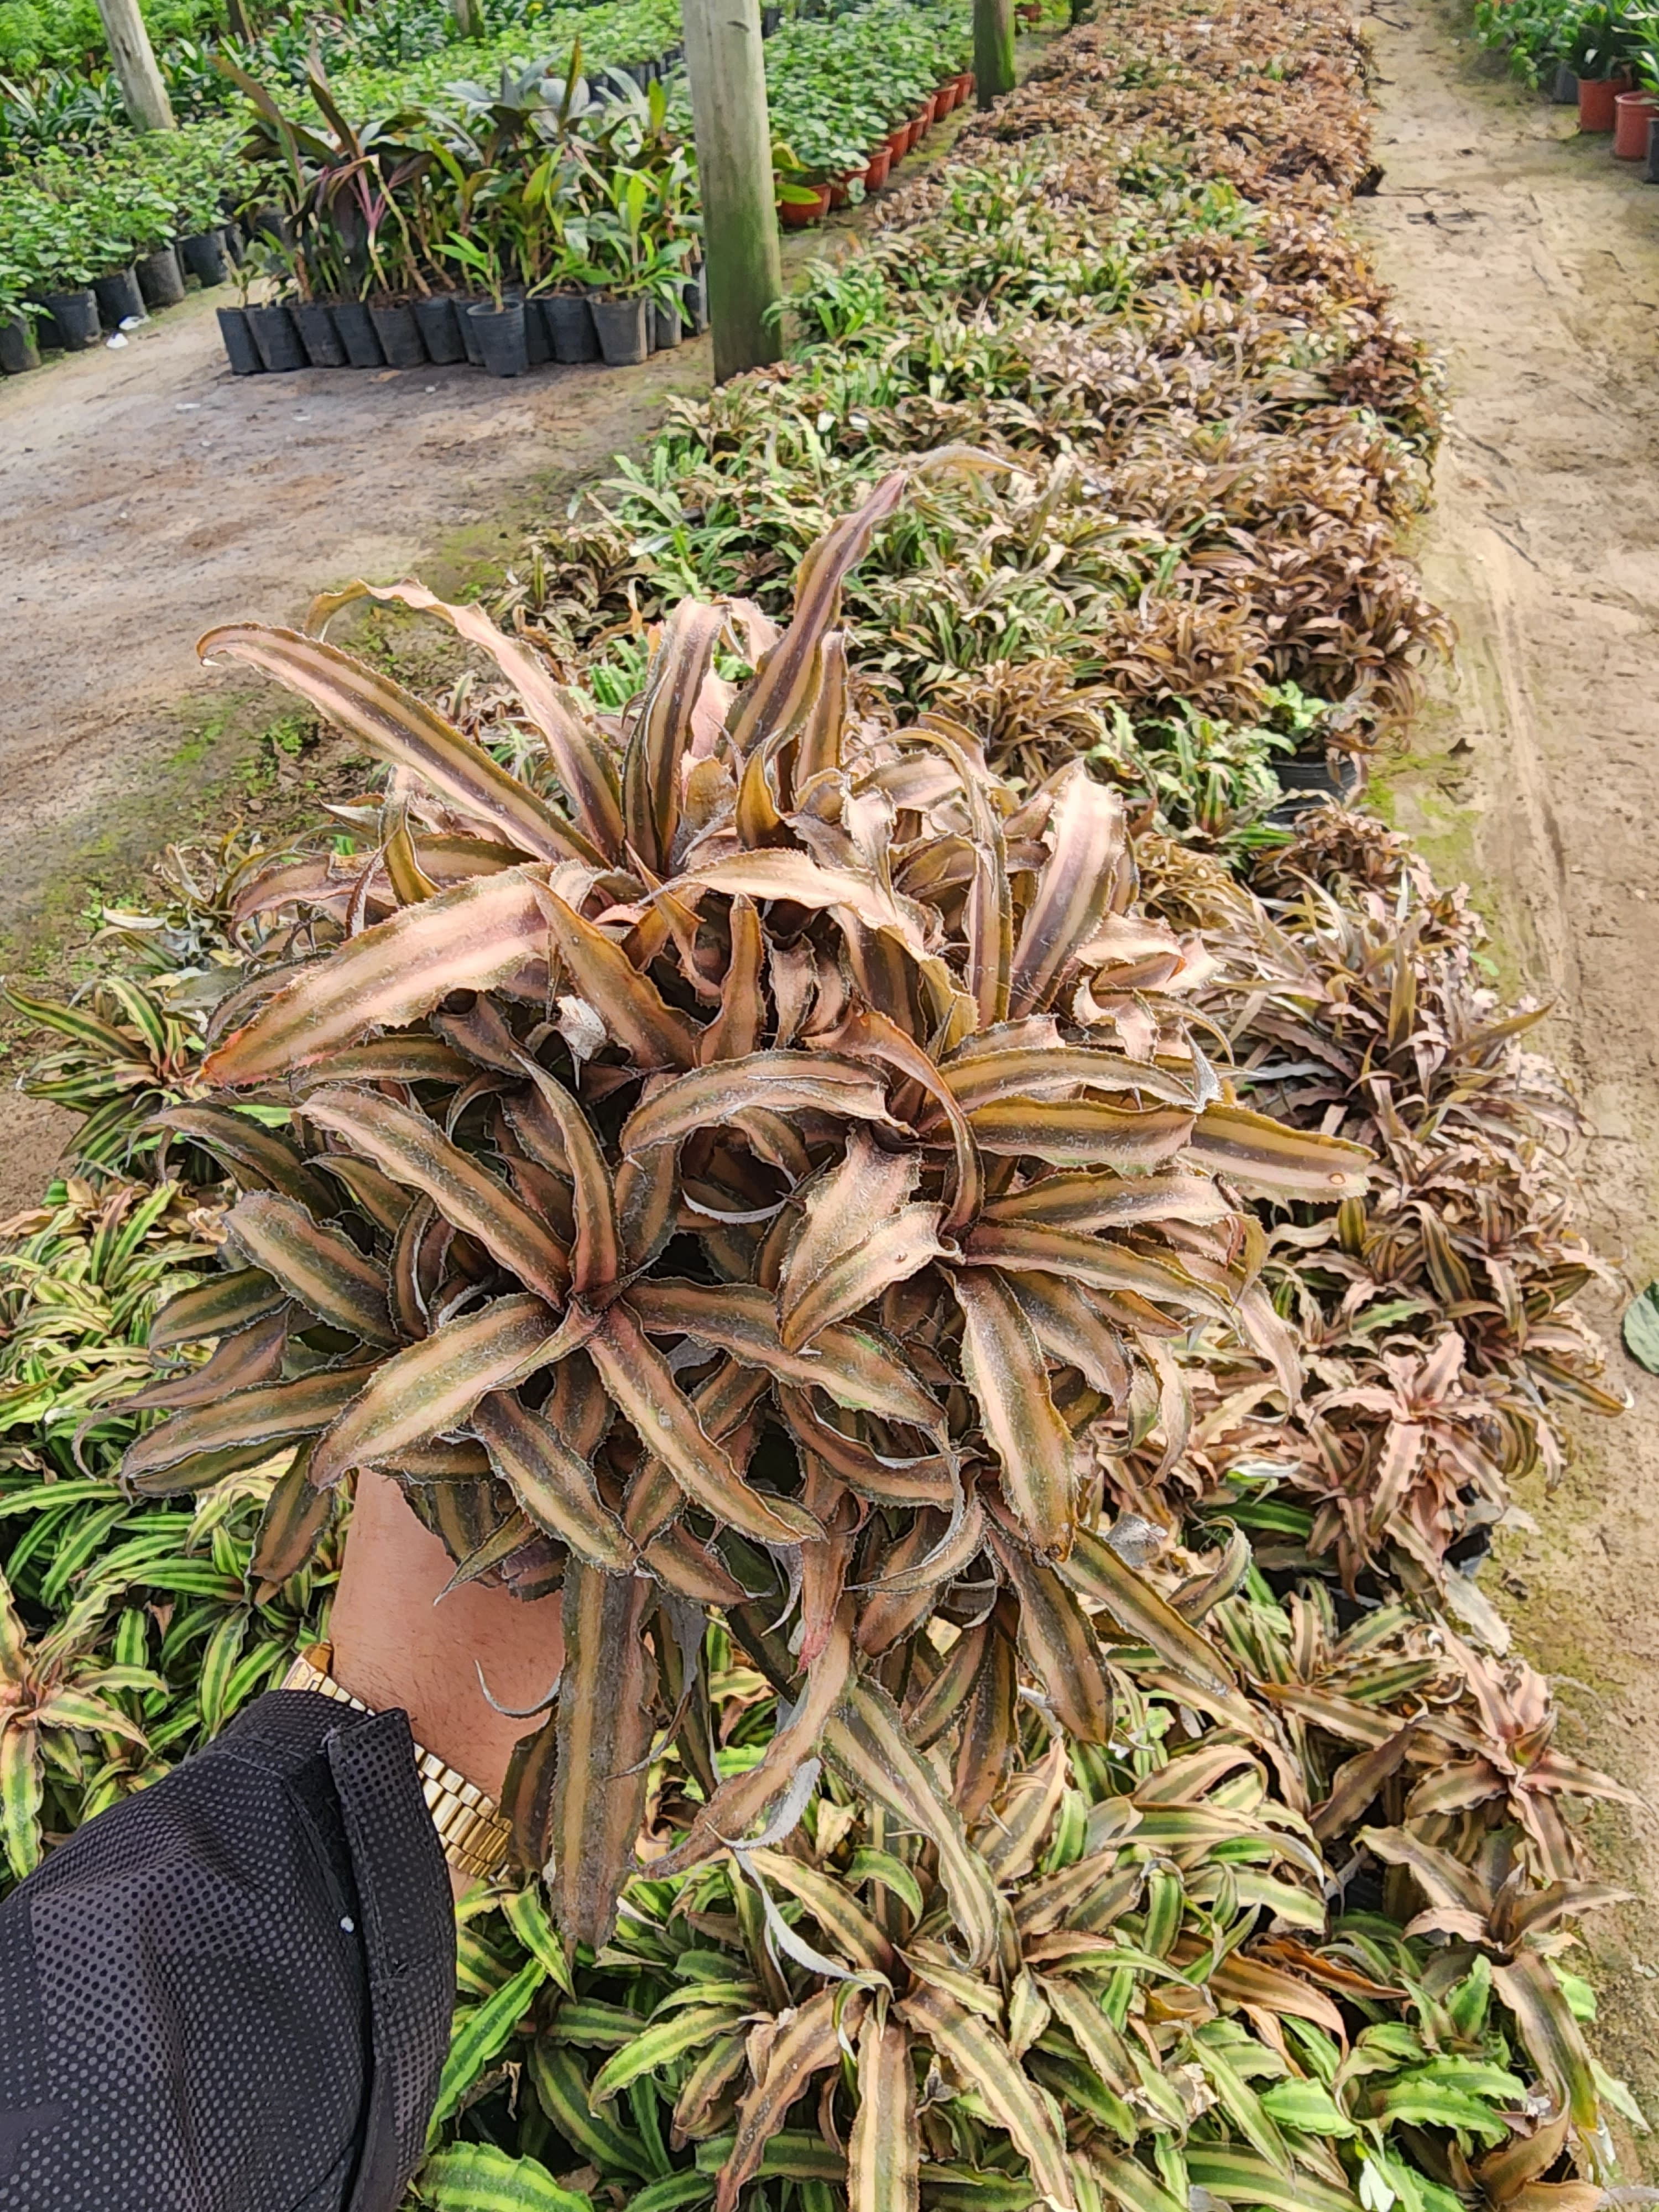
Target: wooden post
<point>993,50</point>
<point>727,73</point>
<point>146,97</point>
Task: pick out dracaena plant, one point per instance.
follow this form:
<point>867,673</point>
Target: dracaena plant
<point>765,1138</point>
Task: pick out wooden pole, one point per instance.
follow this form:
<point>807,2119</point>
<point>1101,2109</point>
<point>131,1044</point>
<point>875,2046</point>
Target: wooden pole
<point>148,105</point>
<point>993,50</point>
<point>727,72</point>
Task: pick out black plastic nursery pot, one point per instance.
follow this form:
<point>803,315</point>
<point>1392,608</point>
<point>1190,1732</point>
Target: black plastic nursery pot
<point>314,320</point>
<point>1565,90</point>
<point>240,350</point>
<point>160,279</point>
<point>399,334</point>
<point>569,323</point>
<point>666,328</point>
<point>1306,779</point>
<point>206,257</point>
<point>694,293</point>
<point>76,316</point>
<point>119,300</point>
<point>440,334</point>
<point>18,350</point>
<point>356,327</point>
<point>277,336</point>
<point>501,335</point>
<point>537,343</point>
<point>1650,173</point>
<point>625,329</point>
<point>468,330</point>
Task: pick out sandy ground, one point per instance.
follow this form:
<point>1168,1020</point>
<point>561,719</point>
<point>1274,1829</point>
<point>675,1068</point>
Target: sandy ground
<point>148,494</point>
<point>1531,258</point>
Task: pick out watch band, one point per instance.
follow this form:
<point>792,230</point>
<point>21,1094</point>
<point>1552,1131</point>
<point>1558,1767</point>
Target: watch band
<point>474,1836</point>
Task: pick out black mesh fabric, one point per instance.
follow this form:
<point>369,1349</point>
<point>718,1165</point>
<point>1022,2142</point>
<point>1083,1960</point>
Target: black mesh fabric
<point>232,1993</point>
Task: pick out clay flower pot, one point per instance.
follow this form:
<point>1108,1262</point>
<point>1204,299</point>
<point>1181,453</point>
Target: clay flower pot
<point>1597,99</point>
<point>1631,114</point>
<point>881,161</point>
<point>898,141</point>
<point>801,215</point>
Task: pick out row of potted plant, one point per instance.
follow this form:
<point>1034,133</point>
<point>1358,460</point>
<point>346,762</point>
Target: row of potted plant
<point>846,103</point>
<point>546,219</point>
<point>88,245</point>
<point>1598,54</point>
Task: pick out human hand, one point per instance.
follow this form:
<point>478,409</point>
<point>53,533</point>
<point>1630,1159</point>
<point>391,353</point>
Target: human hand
<point>394,1644</point>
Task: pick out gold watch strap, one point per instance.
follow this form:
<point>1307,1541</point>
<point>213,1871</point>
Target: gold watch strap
<point>474,1836</point>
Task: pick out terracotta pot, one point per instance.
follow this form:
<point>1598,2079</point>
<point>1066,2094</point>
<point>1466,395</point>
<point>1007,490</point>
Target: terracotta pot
<point>898,142</point>
<point>799,214</point>
<point>944,99</point>
<point>1631,114</point>
<point>875,177</point>
<point>839,194</point>
<point>916,133</point>
<point>1596,98</point>
<point>966,81</point>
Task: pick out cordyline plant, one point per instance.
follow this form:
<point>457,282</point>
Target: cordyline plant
<point>787,1148</point>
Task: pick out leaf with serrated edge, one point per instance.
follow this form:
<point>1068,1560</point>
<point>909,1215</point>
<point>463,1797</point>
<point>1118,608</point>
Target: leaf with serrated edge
<point>1096,1262</point>
<point>1003,1366</point>
<point>740,1801</point>
<point>643,1383</point>
<point>397,726</point>
<point>434,1385</point>
<point>1256,1150</point>
<point>323,1269</point>
<point>807,2041</point>
<point>415,1151</point>
<point>475,936</point>
<point>581,760</point>
<point>849,1363</point>
<point>555,1487</point>
<point>265,1414</point>
<point>865,1740</point>
<point>983,2062</point>
<point>857,1235</point>
<point>775,1082</point>
<point>1076,882</point>
<point>604,1732</point>
<point>634,1011</point>
<point>1059,1643</point>
<point>1096,1572</point>
<point>884,2156</point>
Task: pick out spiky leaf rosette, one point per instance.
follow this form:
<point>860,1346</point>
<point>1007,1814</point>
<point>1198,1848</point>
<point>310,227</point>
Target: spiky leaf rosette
<point>763,1151</point>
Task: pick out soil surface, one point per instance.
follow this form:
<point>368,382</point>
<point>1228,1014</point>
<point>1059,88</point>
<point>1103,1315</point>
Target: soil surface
<point>149,494</point>
<point>1530,257</point>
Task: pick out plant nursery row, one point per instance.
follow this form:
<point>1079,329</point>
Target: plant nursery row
<point>819,1103</point>
<point>550,182</point>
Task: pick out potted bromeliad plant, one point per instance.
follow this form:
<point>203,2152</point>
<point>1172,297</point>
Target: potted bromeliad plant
<point>709,1180</point>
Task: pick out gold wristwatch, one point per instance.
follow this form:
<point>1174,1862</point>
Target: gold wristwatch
<point>474,1836</point>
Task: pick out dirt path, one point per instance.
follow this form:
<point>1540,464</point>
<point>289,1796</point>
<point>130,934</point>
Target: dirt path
<point>1531,258</point>
<point>148,493</point>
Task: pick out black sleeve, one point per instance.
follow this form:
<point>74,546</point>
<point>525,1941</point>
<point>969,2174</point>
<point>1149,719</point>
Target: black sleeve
<point>232,1992</point>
